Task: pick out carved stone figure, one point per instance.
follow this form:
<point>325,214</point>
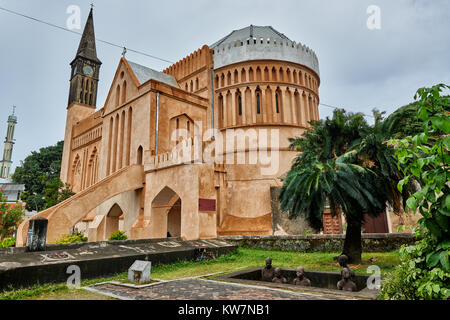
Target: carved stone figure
<point>343,262</point>
<point>267,273</point>
<point>346,284</point>
<point>301,280</point>
<point>278,277</point>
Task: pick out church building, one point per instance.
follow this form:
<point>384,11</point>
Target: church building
<point>138,163</point>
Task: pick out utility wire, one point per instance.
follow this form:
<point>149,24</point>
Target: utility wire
<point>79,33</point>
<point>116,45</point>
<point>333,107</point>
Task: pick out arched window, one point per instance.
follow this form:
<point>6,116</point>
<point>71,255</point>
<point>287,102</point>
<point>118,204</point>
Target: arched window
<point>243,75</point>
<point>277,102</point>
<point>240,104</point>
<point>117,95</point>
<point>196,84</point>
<point>258,100</point>
<point>140,154</point>
<point>124,92</point>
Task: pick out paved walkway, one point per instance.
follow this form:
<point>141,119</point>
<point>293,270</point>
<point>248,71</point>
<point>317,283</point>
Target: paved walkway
<point>201,289</point>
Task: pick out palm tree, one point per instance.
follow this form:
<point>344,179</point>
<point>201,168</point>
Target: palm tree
<point>343,164</point>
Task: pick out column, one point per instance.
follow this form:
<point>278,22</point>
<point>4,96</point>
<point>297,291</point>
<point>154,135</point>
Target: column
<point>253,99</point>
<point>293,108</point>
<point>264,104</point>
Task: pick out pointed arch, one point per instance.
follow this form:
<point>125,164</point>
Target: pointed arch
<point>124,91</point>
<point>117,95</point>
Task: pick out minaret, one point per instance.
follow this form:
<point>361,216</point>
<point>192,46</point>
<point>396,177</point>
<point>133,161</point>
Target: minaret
<point>5,164</point>
<point>84,76</point>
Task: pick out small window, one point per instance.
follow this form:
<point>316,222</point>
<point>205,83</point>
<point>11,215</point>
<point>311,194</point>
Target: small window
<point>240,105</point>
<point>258,102</point>
<point>277,102</point>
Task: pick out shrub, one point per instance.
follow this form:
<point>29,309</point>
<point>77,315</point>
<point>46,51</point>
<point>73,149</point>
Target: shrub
<point>413,279</point>
<point>76,237</point>
<point>118,235</point>
<point>11,215</point>
<point>8,243</point>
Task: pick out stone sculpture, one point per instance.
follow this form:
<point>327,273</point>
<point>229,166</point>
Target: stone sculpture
<point>267,273</point>
<point>278,277</point>
<point>301,280</point>
<point>343,262</point>
<point>346,284</point>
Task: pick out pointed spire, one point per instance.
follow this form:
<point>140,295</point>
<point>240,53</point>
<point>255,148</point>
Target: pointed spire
<point>87,48</point>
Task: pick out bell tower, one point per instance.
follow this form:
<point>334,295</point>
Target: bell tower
<point>85,71</point>
<point>85,68</point>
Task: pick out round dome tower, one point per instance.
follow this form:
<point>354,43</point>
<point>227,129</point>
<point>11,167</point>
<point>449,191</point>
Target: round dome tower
<point>261,77</point>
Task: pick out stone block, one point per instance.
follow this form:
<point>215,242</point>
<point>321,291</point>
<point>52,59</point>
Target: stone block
<point>140,271</point>
<point>37,235</point>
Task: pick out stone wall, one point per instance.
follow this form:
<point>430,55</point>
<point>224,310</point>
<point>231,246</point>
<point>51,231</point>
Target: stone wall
<point>281,223</point>
<point>381,242</point>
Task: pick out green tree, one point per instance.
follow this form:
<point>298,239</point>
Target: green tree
<point>344,164</point>
<point>39,172</point>
<point>11,215</point>
<point>424,272</point>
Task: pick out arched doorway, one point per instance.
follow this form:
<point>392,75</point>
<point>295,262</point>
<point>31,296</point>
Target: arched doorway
<point>112,220</point>
<point>174,220</point>
<point>166,214</point>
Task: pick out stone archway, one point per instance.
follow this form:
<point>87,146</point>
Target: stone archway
<point>112,220</point>
<point>166,213</point>
<point>174,220</point>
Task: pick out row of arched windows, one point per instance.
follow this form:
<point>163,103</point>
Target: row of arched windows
<point>274,74</point>
<point>84,170</point>
<point>121,99</point>
<point>192,86</point>
<point>266,105</point>
<point>119,140</point>
<point>87,91</point>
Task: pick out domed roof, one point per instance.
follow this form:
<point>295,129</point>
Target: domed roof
<point>12,118</point>
<point>261,43</point>
<point>256,32</point>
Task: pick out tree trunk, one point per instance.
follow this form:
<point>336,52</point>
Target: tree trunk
<point>352,243</point>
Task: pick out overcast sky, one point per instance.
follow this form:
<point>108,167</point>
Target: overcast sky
<point>360,68</point>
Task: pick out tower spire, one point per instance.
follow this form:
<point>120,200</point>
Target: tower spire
<point>85,68</point>
<point>87,48</point>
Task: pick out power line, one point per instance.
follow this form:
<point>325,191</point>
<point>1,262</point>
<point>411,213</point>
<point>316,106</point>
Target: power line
<point>333,107</point>
<point>79,33</point>
<point>118,46</point>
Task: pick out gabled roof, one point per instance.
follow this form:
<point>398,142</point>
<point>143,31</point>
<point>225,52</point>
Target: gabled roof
<point>143,74</point>
<point>87,48</point>
<point>251,31</point>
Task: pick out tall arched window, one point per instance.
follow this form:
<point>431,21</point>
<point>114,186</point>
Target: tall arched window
<point>140,154</point>
<point>258,101</point>
<point>124,92</point>
<point>117,95</point>
<point>277,102</point>
<point>240,104</point>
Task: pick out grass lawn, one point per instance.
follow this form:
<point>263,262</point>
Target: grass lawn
<point>241,259</point>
